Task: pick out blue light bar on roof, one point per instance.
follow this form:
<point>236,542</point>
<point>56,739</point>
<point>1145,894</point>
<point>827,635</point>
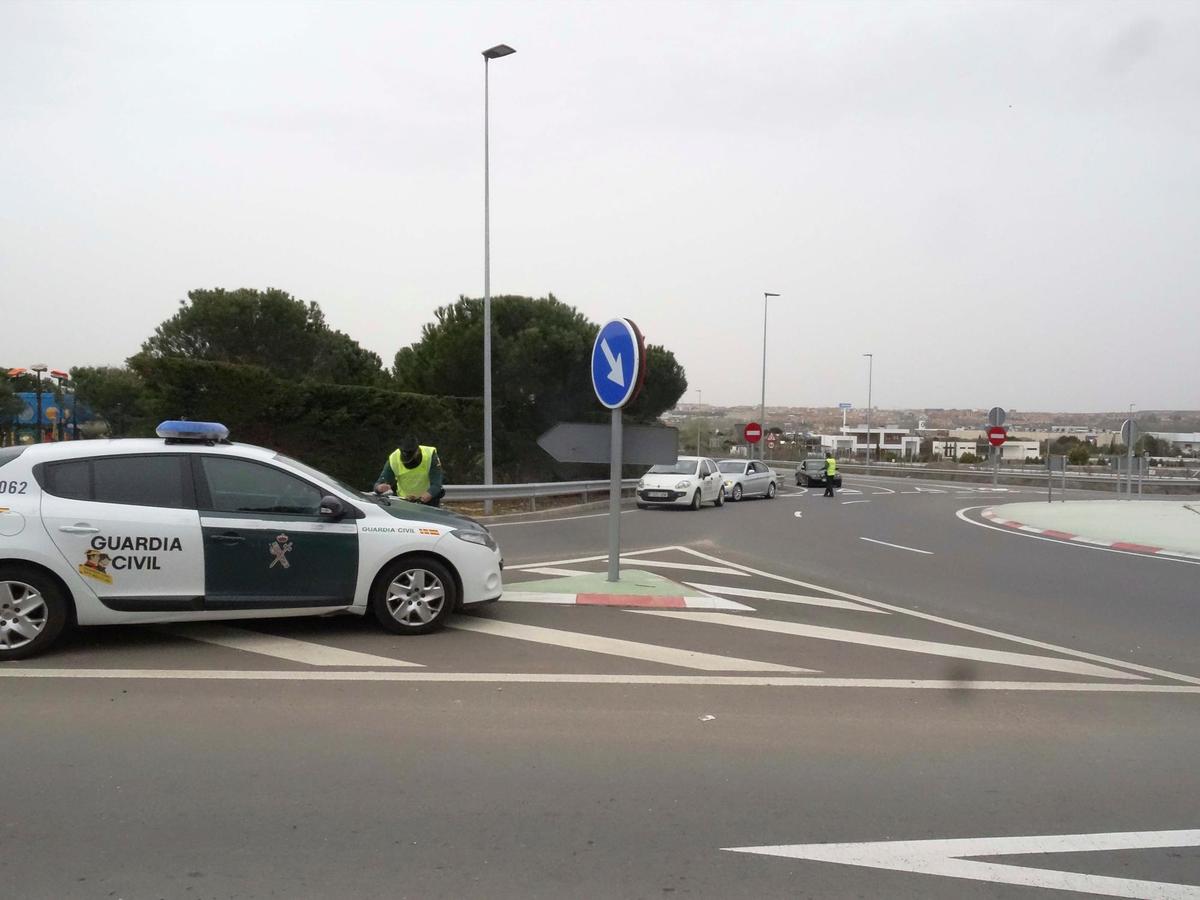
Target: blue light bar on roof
<point>177,430</point>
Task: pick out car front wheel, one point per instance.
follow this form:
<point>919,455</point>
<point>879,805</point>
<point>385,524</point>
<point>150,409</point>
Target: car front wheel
<point>33,612</point>
<point>695,504</point>
<point>720,501</point>
<point>414,596</point>
<point>771,489</point>
<point>737,492</point>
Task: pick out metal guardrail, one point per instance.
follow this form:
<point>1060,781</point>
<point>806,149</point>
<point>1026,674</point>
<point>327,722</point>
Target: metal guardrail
<point>469,492</point>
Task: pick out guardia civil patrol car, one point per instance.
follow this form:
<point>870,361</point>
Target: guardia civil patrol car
<point>193,527</point>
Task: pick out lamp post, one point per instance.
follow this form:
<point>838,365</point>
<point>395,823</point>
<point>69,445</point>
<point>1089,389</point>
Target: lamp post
<point>870,379</point>
<point>699,413</point>
<point>491,53</point>
<point>762,403</point>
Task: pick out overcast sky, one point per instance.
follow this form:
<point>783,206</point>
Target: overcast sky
<point>1000,200</point>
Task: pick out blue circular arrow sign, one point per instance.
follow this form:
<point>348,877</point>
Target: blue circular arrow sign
<point>618,363</point>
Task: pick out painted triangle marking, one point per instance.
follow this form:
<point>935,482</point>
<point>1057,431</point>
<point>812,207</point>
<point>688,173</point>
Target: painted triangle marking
<point>946,858</point>
<point>753,594</point>
<point>278,647</point>
<point>687,567</point>
<point>909,645</point>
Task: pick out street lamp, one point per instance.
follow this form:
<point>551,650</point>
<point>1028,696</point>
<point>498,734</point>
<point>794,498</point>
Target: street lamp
<point>496,52</point>
<point>870,378</point>
<point>762,403</point>
<point>699,413</point>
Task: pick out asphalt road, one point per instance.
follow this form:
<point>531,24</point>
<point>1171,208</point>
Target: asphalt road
<point>899,673</point>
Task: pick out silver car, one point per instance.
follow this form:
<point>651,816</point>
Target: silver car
<point>748,478</point>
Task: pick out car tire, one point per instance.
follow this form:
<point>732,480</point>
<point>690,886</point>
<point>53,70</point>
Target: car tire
<point>771,491</point>
<point>720,501</point>
<point>737,492</point>
<point>695,504</point>
<point>414,595</point>
<point>34,603</point>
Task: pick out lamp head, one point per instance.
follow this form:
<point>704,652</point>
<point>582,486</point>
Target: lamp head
<point>498,51</point>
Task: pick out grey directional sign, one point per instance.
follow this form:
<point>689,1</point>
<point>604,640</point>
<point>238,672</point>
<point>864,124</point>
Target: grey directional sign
<point>1129,432</point>
<point>996,416</point>
<point>579,442</point>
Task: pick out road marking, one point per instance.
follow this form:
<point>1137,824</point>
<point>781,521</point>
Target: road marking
<point>1079,544</point>
<point>897,546</point>
<point>911,492</point>
<point>551,570</point>
<point>946,858</point>
<point>555,521</point>
<point>651,600</point>
<point>848,502</point>
<point>798,514</point>
<point>688,567</point>
<point>908,645</point>
<point>598,558</point>
<point>278,647</point>
<point>849,491</point>
<point>1068,687</point>
<point>670,656</point>
<point>785,598</point>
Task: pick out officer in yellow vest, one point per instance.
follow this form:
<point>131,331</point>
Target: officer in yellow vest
<point>830,472</point>
<point>413,472</point>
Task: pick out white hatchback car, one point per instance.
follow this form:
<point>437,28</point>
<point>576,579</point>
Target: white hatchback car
<point>689,481</point>
<point>193,527</point>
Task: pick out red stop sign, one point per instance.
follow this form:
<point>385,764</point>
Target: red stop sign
<point>752,433</point>
<point>997,436</point>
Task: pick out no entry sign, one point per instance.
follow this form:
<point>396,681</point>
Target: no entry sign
<point>997,435</point>
<point>752,433</point>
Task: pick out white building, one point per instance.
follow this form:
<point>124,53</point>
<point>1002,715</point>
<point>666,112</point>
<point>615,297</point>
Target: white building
<point>953,449</point>
<point>1184,441</point>
<point>884,439</point>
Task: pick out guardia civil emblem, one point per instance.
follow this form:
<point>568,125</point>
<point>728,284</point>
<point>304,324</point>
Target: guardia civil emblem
<point>280,548</point>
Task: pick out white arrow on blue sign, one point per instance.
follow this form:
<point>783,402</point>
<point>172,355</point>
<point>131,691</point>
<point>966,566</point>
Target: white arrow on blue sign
<point>617,363</point>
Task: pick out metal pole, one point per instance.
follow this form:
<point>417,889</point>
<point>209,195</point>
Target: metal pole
<point>995,465</point>
<point>1129,454</point>
<point>1049,480</point>
<point>614,500</point>
<point>870,381</point>
<point>699,413</point>
<point>38,420</point>
<point>1139,459</point>
<point>487,298</point>
<point>762,402</point>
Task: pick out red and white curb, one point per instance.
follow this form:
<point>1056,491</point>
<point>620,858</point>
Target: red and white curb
<point>636,600</point>
<point>1126,546</point>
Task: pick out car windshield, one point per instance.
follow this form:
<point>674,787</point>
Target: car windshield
<point>318,475</point>
<point>733,467</point>
<point>680,467</point>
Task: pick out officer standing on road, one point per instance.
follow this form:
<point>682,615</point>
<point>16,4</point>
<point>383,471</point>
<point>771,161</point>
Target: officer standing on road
<point>413,472</point>
<point>830,472</point>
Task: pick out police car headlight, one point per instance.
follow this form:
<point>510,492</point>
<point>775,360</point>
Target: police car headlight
<point>482,538</point>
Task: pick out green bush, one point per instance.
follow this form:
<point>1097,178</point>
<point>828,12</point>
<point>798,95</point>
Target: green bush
<point>969,458</point>
<point>345,430</point>
<point>1079,455</point>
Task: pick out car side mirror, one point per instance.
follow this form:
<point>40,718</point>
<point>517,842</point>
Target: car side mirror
<point>332,508</point>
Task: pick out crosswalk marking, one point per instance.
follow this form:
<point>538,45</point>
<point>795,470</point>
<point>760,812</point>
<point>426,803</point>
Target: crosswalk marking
<point>584,599</point>
<point>753,594</point>
<point>552,570</point>
<point>279,647</point>
<point>688,659</point>
<point>687,567</point>
<point>888,642</point>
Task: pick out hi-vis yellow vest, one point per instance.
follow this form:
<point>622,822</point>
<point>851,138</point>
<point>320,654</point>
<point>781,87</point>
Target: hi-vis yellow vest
<point>830,466</point>
<point>415,481</point>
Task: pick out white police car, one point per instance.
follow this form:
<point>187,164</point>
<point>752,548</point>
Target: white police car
<point>193,527</point>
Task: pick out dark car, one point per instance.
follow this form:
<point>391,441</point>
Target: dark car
<point>811,473</point>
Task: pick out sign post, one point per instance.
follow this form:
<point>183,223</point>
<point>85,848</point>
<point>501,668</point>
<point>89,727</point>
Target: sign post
<point>996,418</point>
<point>1129,436</point>
<point>618,370</point>
<point>753,434</point>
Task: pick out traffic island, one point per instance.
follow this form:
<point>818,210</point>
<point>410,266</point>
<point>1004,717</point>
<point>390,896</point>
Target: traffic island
<point>635,589</point>
<point>1158,527</point>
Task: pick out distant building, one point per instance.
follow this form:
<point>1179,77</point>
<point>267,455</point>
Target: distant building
<point>1183,441</point>
<point>954,449</point>
<point>884,439</point>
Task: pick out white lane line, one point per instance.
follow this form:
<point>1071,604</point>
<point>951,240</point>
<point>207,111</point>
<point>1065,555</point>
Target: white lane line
<point>947,858</point>
<point>897,546</point>
<point>888,642</point>
<point>910,492</point>
<point>941,620</point>
<point>849,491</point>
<point>572,640</point>
<point>687,567</point>
<point>585,559</point>
<point>848,502</point>
<point>785,598</point>
<point>332,675</point>
<point>278,647</point>
<point>552,570</point>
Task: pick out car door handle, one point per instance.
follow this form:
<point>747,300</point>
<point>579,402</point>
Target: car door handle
<point>227,538</point>
<point>79,528</point>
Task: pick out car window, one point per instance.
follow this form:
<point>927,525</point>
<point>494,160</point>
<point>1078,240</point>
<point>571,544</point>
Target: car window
<point>140,480</point>
<point>71,480</point>
<point>679,467</point>
<point>8,454</point>
<point>755,468</point>
<point>709,468</point>
<point>732,467</point>
<point>239,485</point>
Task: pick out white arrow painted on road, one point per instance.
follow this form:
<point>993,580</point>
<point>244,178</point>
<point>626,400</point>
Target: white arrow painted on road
<point>945,858</point>
<point>615,372</point>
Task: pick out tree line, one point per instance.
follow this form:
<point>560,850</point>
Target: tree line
<point>270,364</point>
